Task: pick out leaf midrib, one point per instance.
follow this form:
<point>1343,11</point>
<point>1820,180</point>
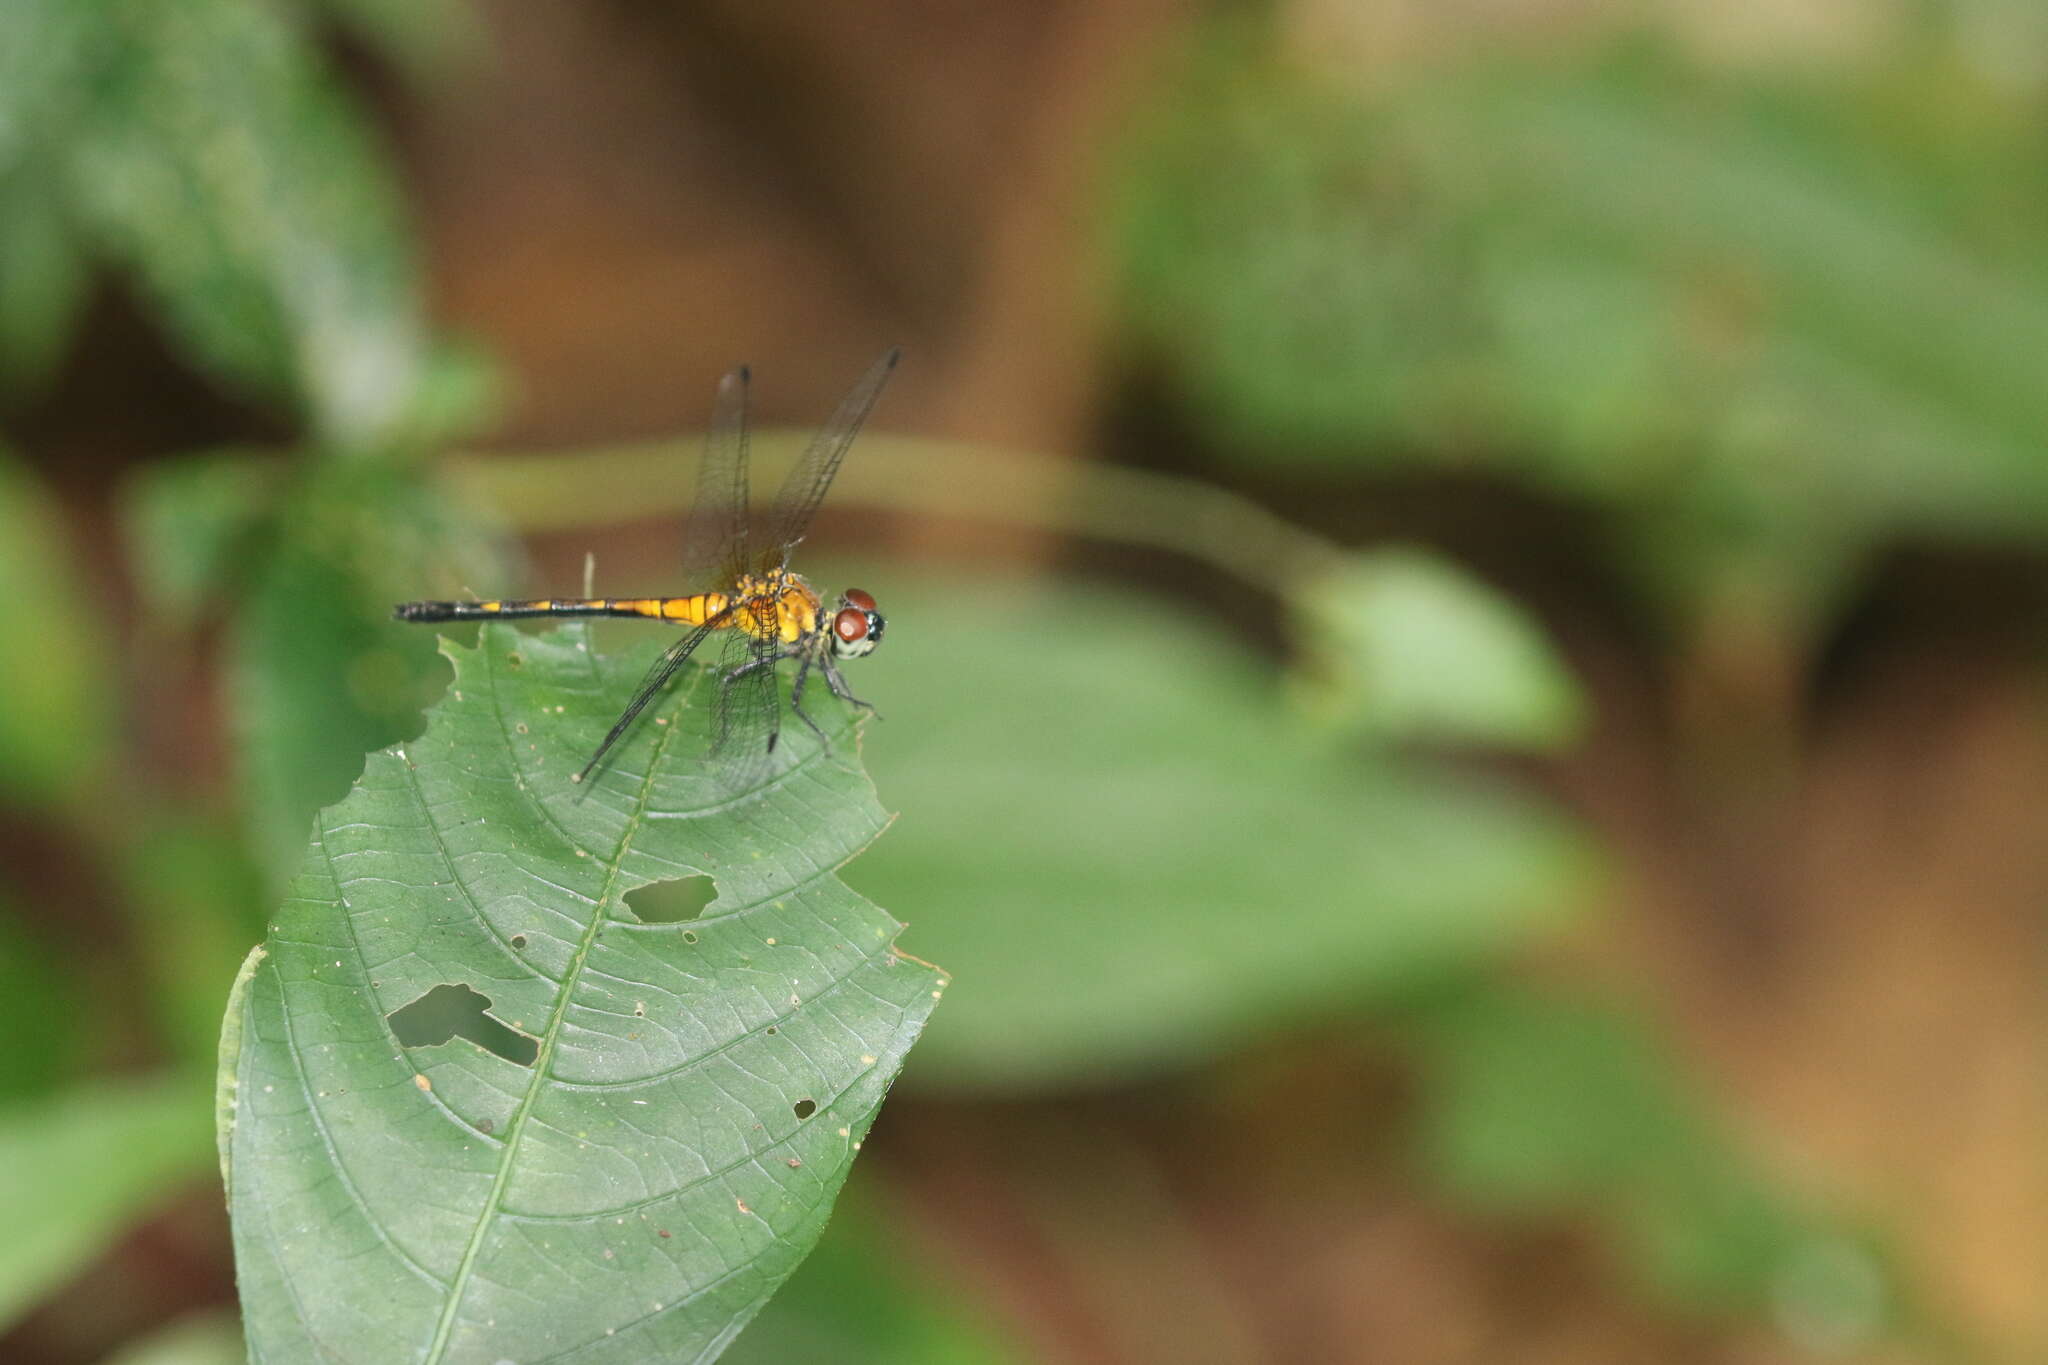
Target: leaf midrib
<point>458,1284</point>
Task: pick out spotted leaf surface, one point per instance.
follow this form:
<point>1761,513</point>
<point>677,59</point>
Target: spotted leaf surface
<point>475,1107</point>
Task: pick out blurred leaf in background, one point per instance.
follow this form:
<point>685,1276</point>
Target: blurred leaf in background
<point>43,283</point>
<point>319,673</point>
<point>861,1299</point>
<point>59,726</point>
<point>45,52</point>
<point>206,149</point>
<point>1142,860</point>
<point>208,156</point>
<point>312,562</point>
<point>424,36</point>
<point>1761,319</point>
<point>194,900</point>
<point>1540,1103</point>
<point>1402,644</point>
<point>79,1168</point>
<point>192,528</point>
<point>39,998</point>
<point>199,1339</point>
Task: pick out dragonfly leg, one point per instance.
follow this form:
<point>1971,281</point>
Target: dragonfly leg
<point>836,680</point>
<point>796,698</point>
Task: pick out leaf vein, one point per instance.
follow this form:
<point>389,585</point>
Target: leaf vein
<point>682,1068</point>
<point>751,1157</point>
<point>493,1206</point>
<point>313,1107</point>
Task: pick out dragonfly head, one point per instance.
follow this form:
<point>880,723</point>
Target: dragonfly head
<point>856,626</point>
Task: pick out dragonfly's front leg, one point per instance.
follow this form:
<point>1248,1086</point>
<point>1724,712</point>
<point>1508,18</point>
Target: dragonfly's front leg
<point>796,697</point>
<point>836,680</point>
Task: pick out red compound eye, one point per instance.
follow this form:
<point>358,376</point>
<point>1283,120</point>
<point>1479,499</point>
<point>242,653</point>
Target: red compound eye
<point>856,598</point>
<point>851,625</point>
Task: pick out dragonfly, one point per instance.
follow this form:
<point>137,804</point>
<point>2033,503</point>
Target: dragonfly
<point>764,611</point>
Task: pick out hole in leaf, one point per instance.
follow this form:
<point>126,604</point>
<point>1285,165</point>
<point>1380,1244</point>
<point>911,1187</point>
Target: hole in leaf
<point>773,1029</point>
<point>451,1011</point>
<point>518,940</point>
<point>689,936</point>
<point>806,1108</point>
<point>515,660</point>
<point>672,901</point>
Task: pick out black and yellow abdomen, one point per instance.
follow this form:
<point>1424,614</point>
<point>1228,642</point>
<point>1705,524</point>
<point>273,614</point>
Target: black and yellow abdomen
<point>780,607</point>
<point>688,611</point>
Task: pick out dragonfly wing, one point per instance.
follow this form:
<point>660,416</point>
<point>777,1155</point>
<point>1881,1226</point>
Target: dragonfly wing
<point>749,712</point>
<point>804,490</point>
<point>715,538</point>
<point>673,658</point>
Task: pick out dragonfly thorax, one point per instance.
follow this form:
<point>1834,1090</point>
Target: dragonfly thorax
<point>777,605</point>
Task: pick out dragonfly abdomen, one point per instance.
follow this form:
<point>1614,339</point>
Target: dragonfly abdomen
<point>688,611</point>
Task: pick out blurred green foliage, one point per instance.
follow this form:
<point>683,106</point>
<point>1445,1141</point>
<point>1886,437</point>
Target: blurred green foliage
<point>307,563</point>
<point>1763,320</point>
<point>207,157</point>
<point>861,1298</point>
<point>54,740</point>
<point>206,151</point>
<point>318,672</point>
<point>195,900</point>
<point>1538,1102</point>
<point>1141,860</point>
<point>198,1339</point>
<point>1400,644</point>
<point>82,1165</point>
<point>1133,859</point>
<point>38,983</point>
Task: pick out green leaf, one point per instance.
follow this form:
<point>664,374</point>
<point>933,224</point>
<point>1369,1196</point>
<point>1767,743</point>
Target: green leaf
<point>863,1298</point>
<point>42,288</point>
<point>45,51</point>
<point>1402,644</point>
<point>191,525</point>
<point>78,1169</point>
<point>221,160</point>
<point>634,1181</point>
<point>423,35</point>
<point>55,711</point>
<point>200,1339</point>
<point>44,46</point>
<point>1535,1104</point>
<point>194,903</point>
<point>1138,859</point>
<point>318,669</point>
<point>1769,320</point>
<point>41,1000</point>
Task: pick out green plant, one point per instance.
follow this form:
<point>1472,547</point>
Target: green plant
<point>644,1123</point>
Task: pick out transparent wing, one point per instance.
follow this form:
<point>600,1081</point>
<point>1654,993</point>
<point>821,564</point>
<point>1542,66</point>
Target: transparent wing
<point>805,488</point>
<point>748,716</point>
<point>673,658</point>
<point>715,538</point>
